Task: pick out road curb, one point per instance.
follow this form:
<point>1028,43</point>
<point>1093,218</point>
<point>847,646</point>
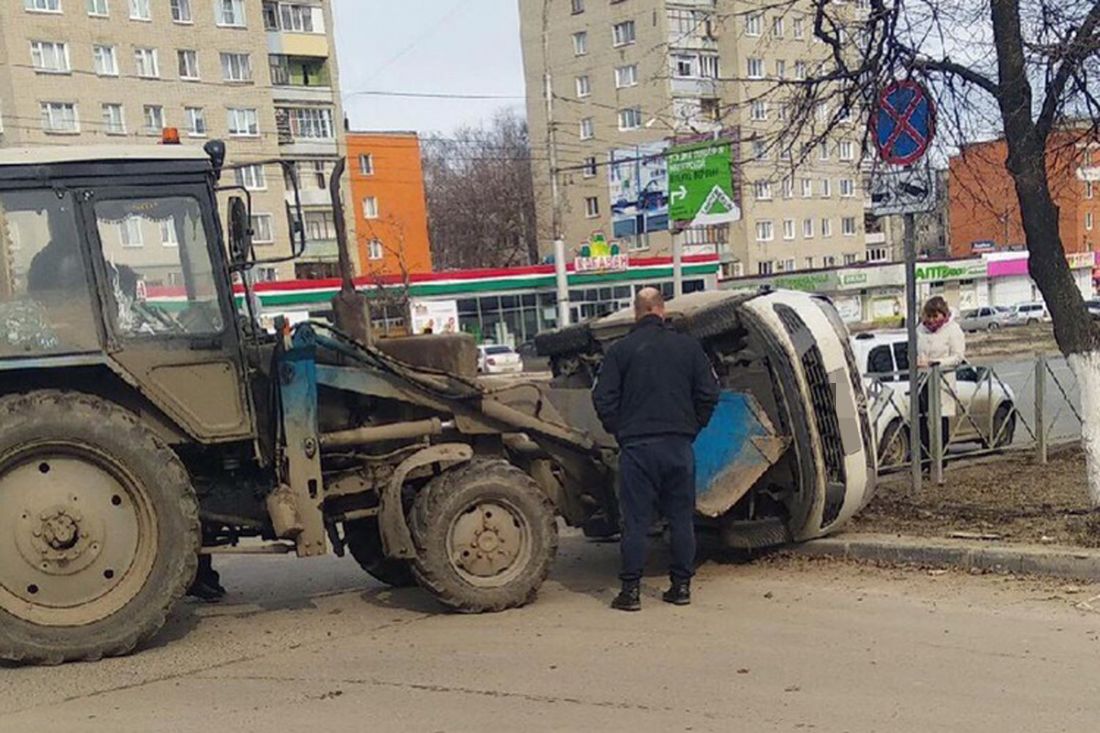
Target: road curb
<point>1060,562</point>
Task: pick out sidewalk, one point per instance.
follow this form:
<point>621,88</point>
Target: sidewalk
<point>1056,561</point>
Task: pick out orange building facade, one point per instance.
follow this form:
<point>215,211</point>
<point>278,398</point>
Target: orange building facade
<point>984,212</point>
<point>391,214</point>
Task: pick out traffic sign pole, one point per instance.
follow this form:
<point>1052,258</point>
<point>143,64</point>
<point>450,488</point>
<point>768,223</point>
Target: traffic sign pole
<point>916,452</point>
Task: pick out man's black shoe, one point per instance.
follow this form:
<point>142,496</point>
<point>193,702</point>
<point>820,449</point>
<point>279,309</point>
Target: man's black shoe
<point>629,598</point>
<point>679,593</point>
<point>207,584</point>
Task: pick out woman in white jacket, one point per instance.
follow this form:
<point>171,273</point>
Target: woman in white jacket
<point>940,342</point>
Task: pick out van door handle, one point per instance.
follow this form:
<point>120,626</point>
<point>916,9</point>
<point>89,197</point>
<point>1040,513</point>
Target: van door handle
<point>205,344</point>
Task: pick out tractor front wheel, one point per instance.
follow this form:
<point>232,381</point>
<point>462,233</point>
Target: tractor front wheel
<point>486,537</point>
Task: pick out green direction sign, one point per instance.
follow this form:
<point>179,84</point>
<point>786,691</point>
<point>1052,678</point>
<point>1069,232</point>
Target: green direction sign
<point>700,185</point>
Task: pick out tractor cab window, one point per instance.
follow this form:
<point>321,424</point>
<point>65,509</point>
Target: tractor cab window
<point>45,302</point>
<point>160,277</point>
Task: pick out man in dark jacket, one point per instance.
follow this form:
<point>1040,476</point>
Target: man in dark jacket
<point>656,390</point>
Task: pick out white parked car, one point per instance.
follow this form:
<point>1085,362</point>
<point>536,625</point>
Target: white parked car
<point>497,359</point>
<point>1027,314</point>
<point>986,414</point>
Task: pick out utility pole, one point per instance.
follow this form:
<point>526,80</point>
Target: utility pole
<point>911,316</point>
<point>562,276</point>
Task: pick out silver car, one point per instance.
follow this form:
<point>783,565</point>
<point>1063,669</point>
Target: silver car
<point>986,318</point>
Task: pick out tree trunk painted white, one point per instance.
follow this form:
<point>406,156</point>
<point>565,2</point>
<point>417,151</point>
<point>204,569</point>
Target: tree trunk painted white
<point>1086,367</point>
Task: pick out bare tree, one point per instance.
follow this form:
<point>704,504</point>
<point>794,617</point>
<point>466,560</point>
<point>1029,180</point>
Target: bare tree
<point>1026,70</point>
<point>481,198</point>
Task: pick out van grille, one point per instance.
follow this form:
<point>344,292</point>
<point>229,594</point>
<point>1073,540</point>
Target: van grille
<point>822,397</point>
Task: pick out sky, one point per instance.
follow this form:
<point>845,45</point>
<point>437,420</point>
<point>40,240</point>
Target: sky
<point>427,46</point>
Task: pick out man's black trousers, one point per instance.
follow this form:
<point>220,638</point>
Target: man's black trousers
<point>657,471</point>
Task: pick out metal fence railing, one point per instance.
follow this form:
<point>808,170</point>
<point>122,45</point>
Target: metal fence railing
<point>977,409</point>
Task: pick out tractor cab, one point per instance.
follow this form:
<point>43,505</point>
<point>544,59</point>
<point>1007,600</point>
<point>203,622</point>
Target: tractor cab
<point>111,260</point>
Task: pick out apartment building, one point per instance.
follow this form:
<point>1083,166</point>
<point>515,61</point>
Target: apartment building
<point>630,77</point>
<point>262,76</point>
<point>391,213</point>
<point>984,208</point>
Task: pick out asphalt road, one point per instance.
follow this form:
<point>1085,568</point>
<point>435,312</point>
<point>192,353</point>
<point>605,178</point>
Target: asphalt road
<point>1061,422</point>
<point>777,645</point>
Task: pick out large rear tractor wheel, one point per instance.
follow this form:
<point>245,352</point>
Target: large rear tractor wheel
<point>486,537</point>
<point>365,544</point>
<point>99,529</point>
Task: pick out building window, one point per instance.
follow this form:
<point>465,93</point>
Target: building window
<point>807,228</point>
<point>587,129</point>
<point>788,229</point>
<point>1088,220</point>
<point>97,8</point>
<point>823,151</point>
<point>780,69</point>
<point>189,64</point>
<point>308,123</point>
<point>847,188</point>
<point>799,28</point>
<point>105,60</point>
<point>43,6</point>
<point>139,10</point>
<point>626,76</point>
<point>850,259</point>
<point>263,228</point>
<point>236,67</point>
<point>876,254</point>
<point>589,170</point>
<point>59,117</point>
<point>708,66</point>
<point>243,122</point>
<point>578,7</point>
<point>763,190</point>
<point>759,149</point>
<point>146,63</point>
<point>580,43</point>
<point>129,232</point>
<point>846,150</point>
<point>777,26</point>
<point>764,268</point>
<point>753,24</point>
<point>829,261</point>
<point>168,236</point>
<point>848,226</point>
<point>153,116</point>
<point>710,109</point>
<point>809,263</point>
<point>113,122</point>
<point>826,188</point>
<point>759,110</point>
<point>584,86</point>
<point>591,207</point>
<point>765,231</point>
<point>50,57</point>
<point>230,13</point>
<point>294,18</point>
<point>788,264</point>
<point>181,11</point>
<point>252,177</point>
<point>683,66</point>
<point>374,250</point>
<point>370,207</point>
<point>320,176</point>
<point>807,188</point>
<point>756,68</point>
<point>196,121</point>
<point>366,164</point>
<point>630,118</point>
<point>826,227</point>
<point>788,187</point>
<point>800,70</point>
<point>622,34</point>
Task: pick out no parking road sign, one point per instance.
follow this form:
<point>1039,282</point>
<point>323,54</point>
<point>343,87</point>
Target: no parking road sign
<point>904,122</point>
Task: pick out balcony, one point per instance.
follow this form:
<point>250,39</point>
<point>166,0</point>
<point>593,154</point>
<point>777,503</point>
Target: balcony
<point>694,87</point>
<point>873,239</point>
<point>300,79</point>
<point>289,43</point>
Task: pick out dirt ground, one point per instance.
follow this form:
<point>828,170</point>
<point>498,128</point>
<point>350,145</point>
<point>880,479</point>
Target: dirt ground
<point>1006,498</point>
<point>1017,341</point>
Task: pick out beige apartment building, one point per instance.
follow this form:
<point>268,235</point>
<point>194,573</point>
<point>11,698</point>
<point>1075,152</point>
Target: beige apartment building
<point>628,74</point>
<point>261,76</point>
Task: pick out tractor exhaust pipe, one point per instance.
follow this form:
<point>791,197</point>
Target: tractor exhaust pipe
<point>379,433</point>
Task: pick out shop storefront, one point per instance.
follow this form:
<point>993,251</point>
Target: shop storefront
<point>500,305</point>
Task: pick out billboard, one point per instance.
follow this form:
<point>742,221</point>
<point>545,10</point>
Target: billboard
<point>638,178</point>
<point>700,184</point>
<point>434,316</point>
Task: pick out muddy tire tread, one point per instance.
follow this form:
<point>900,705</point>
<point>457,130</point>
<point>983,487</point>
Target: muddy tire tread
<point>17,410</point>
